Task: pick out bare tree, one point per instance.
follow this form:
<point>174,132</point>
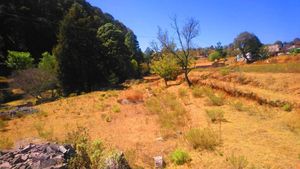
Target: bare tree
<point>184,37</point>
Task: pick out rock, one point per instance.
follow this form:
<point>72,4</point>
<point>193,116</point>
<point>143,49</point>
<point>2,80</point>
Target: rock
<point>159,162</point>
<point>116,161</point>
<point>62,149</point>
<point>48,156</point>
<point>5,165</point>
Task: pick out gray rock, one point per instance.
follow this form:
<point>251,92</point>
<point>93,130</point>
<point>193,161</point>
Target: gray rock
<point>62,149</point>
<point>159,162</point>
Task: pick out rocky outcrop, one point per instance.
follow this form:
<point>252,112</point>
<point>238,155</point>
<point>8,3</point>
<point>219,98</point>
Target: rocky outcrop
<point>37,156</point>
<point>117,161</point>
<point>17,112</point>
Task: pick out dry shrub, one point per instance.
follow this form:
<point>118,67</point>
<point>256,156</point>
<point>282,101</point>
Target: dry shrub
<point>237,162</point>
<point>171,112</point>
<point>42,132</point>
<point>203,138</point>
<point>216,115</point>
<point>133,96</point>
<point>215,100</point>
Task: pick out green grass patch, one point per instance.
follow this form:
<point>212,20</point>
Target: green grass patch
<point>180,157</point>
<point>293,67</point>
<point>287,107</point>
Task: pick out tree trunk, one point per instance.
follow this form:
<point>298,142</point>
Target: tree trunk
<point>187,77</point>
<point>166,82</point>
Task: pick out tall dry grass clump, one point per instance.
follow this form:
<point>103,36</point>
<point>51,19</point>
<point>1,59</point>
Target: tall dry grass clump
<point>203,138</point>
<point>171,112</point>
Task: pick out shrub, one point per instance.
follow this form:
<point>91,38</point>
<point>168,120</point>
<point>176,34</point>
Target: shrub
<point>34,81</point>
<point>287,107</point>
<point>48,63</point>
<point>115,108</point>
<point>214,56</point>
<point>180,157</point>
<point>19,60</point>
<point>216,115</point>
<point>167,68</point>
<point>197,92</point>
<point>238,162</point>
<point>203,138</point>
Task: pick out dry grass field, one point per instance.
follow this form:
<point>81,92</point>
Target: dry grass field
<point>257,130</point>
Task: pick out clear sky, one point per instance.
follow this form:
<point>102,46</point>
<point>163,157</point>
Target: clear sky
<point>220,20</point>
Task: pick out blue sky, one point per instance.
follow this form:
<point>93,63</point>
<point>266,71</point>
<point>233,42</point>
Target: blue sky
<point>220,20</point>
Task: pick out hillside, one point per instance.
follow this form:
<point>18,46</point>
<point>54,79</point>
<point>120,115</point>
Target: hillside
<point>138,119</point>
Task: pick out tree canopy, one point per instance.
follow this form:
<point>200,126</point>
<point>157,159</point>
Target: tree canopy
<point>248,43</point>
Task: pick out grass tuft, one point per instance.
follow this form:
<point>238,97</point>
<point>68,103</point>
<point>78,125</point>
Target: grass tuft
<point>203,138</point>
<point>116,109</point>
<point>216,115</point>
<point>287,107</point>
<point>237,162</point>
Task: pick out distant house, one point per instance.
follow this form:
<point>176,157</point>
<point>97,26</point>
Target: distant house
<point>240,58</point>
<point>276,48</point>
<point>295,46</point>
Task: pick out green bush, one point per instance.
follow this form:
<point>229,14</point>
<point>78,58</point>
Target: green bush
<point>19,60</point>
<point>216,115</point>
<point>287,107</point>
<point>48,63</point>
<point>203,138</point>
<point>167,68</point>
<point>180,157</point>
<point>88,154</point>
<point>214,56</point>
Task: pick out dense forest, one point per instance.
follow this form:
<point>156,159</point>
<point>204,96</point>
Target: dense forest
<point>92,48</point>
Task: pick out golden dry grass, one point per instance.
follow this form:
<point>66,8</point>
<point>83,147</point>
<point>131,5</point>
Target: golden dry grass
<point>264,138</point>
